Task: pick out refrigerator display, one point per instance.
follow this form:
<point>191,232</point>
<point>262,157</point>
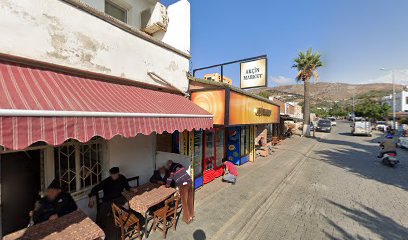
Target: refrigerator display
<point>198,158</point>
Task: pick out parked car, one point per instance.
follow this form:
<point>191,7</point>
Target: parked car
<point>361,128</point>
<point>381,126</point>
<point>333,121</point>
<point>323,125</point>
<point>403,139</point>
<point>359,119</point>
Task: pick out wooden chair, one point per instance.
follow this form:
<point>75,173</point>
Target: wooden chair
<point>166,217</point>
<point>131,181</point>
<point>128,223</point>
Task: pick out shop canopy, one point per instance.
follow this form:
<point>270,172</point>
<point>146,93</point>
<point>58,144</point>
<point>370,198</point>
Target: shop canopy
<point>40,105</point>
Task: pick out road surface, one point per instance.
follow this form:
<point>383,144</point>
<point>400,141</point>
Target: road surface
<point>332,187</point>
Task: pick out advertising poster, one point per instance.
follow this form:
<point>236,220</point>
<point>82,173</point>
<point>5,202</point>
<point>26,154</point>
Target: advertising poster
<point>233,146</point>
<point>213,101</point>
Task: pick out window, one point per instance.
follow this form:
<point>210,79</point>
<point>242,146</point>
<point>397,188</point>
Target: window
<point>116,11</point>
<point>406,100</point>
<point>78,166</point>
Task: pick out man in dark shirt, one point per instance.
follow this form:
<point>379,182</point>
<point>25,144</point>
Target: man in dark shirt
<point>159,176</point>
<point>56,204</point>
<point>112,188</point>
<point>182,180</point>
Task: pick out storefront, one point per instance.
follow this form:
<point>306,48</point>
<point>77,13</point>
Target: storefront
<point>238,117</point>
<point>74,127</point>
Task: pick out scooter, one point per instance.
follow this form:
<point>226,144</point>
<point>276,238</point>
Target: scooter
<point>390,159</point>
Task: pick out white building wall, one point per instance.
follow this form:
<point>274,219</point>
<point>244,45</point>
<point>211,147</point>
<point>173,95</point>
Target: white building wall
<point>404,101</point>
<point>178,32</point>
<point>134,8</point>
<point>401,103</point>
<point>62,34</point>
<point>134,156</point>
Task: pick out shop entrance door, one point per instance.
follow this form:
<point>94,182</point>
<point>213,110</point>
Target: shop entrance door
<point>209,156</point>
<point>20,187</point>
<point>219,151</point>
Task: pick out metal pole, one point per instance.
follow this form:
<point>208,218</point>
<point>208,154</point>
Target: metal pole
<point>354,111</point>
<point>393,101</point>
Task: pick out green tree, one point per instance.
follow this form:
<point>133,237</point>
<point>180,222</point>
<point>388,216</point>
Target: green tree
<point>372,109</point>
<point>307,64</point>
<point>338,110</point>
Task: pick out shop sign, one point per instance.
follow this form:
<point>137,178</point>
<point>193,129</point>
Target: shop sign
<point>253,73</point>
<point>263,112</point>
<point>247,110</point>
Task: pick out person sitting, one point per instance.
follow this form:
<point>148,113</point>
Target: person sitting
<point>230,172</point>
<point>159,176</point>
<point>182,180</point>
<point>54,205</point>
<point>112,188</point>
<point>388,145</point>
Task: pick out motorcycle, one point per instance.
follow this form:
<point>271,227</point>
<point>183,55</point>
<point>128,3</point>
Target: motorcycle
<point>390,159</point>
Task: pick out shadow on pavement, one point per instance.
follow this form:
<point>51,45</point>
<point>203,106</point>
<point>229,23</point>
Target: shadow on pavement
<point>361,159</point>
<point>377,223</point>
<point>199,235</point>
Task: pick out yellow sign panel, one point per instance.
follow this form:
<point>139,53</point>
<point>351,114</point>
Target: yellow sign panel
<point>213,101</point>
<point>247,110</point>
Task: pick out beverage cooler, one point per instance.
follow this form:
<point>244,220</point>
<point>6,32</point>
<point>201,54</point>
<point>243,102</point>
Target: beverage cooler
<point>198,159</point>
<point>219,151</point>
<point>214,152</point>
<point>238,144</point>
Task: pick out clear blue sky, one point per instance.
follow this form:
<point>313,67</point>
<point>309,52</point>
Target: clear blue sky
<point>355,37</point>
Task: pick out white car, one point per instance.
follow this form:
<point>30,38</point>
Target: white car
<point>333,121</point>
<point>403,139</point>
<point>381,126</point>
<point>403,142</point>
<point>361,128</point>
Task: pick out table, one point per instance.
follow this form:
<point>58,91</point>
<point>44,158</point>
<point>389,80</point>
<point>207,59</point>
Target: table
<point>147,196</point>
<point>75,226</point>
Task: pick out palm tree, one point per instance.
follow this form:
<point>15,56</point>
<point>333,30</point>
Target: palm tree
<point>307,64</point>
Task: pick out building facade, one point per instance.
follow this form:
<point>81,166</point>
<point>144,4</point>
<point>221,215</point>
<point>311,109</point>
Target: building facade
<point>87,86</point>
<point>242,122</point>
<point>401,101</point>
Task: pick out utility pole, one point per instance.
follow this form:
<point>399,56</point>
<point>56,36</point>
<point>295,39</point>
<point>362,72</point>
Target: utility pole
<point>394,124</point>
<point>354,110</point>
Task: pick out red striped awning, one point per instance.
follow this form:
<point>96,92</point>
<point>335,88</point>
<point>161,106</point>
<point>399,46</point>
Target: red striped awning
<point>49,106</point>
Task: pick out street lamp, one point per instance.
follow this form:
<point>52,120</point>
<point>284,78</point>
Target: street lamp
<point>394,126</point>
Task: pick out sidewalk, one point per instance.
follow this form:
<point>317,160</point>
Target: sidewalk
<point>222,210</point>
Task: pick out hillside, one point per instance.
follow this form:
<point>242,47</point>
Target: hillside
<point>328,92</point>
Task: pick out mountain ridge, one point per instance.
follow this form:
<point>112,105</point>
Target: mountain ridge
<point>328,92</point>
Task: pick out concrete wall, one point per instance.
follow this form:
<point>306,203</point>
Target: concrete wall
<point>134,156</point>
<point>134,8</point>
<point>56,32</point>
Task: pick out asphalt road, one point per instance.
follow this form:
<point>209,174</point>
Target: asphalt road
<point>341,191</point>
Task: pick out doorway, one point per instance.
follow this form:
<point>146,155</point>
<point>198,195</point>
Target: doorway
<point>20,187</point>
